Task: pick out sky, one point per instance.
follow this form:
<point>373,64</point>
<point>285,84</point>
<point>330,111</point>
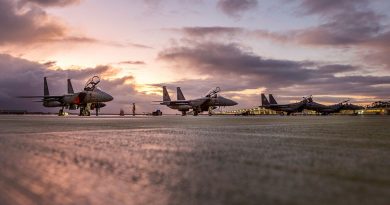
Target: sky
<point>331,49</point>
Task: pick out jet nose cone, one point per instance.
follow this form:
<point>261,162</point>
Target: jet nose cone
<point>226,102</point>
<point>231,102</point>
<point>107,97</point>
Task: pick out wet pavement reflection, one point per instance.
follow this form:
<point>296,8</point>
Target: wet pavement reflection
<point>195,160</point>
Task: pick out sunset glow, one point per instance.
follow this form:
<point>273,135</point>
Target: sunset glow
<point>333,51</point>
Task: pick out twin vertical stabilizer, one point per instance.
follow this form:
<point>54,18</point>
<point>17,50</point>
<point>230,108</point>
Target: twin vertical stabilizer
<point>264,101</point>
<point>272,100</point>
<point>180,95</point>
<point>165,94</point>
<point>70,87</point>
<point>45,87</point>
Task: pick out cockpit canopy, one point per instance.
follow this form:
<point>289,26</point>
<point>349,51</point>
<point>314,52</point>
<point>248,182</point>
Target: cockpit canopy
<point>91,83</point>
<point>213,92</point>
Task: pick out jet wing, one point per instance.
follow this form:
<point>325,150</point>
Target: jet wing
<point>42,96</point>
<point>178,102</point>
<point>46,98</point>
<point>196,102</point>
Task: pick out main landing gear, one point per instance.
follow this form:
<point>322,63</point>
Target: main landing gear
<point>61,112</point>
<point>85,111</point>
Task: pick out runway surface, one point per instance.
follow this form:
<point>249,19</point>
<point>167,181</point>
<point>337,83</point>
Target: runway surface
<point>195,160</point>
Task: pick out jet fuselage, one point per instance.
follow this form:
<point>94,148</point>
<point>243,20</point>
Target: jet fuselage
<point>207,103</point>
<point>90,98</point>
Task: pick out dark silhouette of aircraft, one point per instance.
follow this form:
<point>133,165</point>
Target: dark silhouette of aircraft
<point>89,99</point>
<point>328,109</point>
<point>207,103</point>
<point>288,108</point>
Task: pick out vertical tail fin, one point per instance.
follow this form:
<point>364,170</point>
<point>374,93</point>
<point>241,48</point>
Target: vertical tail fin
<point>70,87</point>
<point>45,87</point>
<point>180,95</point>
<point>272,100</point>
<point>165,94</point>
<point>264,101</point>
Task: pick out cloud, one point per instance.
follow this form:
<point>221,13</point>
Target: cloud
<point>331,6</point>
<point>26,22</point>
<point>349,23</point>
<point>235,8</point>
<point>22,77</point>
<point>217,58</point>
<point>348,28</point>
<point>153,3</point>
<point>379,49</point>
<point>50,64</point>
<point>345,24</point>
<point>234,68</point>
<point>137,45</point>
<point>84,39</point>
<point>210,31</point>
<point>78,39</point>
<point>132,62</point>
<point>30,25</point>
<point>274,36</point>
<point>51,2</point>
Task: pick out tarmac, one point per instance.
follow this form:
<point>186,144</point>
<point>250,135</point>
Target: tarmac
<point>195,160</point>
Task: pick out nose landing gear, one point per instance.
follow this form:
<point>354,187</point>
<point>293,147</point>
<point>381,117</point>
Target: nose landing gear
<point>210,110</point>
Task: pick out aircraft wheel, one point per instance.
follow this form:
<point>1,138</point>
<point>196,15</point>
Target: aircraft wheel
<point>61,112</point>
<point>196,113</point>
<point>183,113</point>
<point>210,112</point>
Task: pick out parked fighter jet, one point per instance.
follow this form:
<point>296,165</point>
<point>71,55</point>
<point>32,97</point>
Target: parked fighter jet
<point>89,99</point>
<point>328,109</point>
<point>288,108</point>
<point>208,103</point>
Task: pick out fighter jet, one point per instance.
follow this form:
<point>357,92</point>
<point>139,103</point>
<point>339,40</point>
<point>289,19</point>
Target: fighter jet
<point>89,99</point>
<point>328,109</point>
<point>288,108</point>
<point>207,103</point>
